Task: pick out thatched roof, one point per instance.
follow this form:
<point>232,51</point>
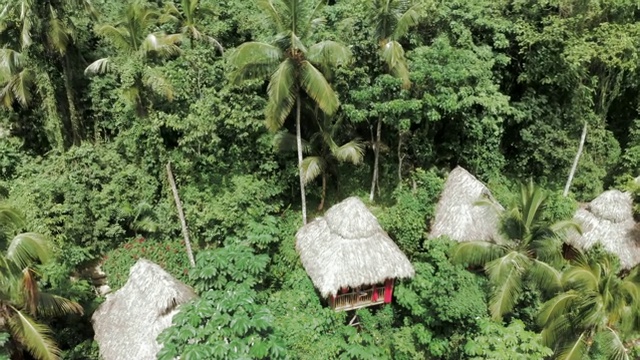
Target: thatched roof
<point>127,323</point>
<point>608,220</point>
<point>348,248</point>
<point>458,215</point>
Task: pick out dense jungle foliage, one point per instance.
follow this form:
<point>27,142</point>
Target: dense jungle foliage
<point>271,111</point>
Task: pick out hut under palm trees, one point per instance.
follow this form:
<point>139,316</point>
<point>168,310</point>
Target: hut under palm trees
<point>608,220</point>
<point>127,323</point>
<point>458,214</point>
<point>350,259</point>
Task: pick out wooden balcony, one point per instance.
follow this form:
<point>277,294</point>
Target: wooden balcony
<point>358,299</point>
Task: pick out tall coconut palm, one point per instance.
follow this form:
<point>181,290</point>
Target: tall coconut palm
<point>391,20</point>
<point>596,306</point>
<point>530,251</point>
<point>50,23</point>
<point>293,66</point>
<point>135,45</point>
<point>21,301</point>
<point>322,151</point>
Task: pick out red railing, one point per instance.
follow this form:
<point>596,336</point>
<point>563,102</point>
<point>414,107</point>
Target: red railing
<point>359,299</point>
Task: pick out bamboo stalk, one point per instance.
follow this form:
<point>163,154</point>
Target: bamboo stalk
<point>183,221</point>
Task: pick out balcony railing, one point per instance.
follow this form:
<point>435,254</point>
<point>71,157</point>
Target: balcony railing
<point>358,299</point>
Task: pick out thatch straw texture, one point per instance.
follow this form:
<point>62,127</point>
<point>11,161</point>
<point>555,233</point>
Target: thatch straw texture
<point>348,248</point>
<point>458,215</point>
<point>127,323</point>
<point>608,220</point>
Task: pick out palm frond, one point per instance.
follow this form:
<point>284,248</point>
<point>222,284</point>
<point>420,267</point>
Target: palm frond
<point>250,54</point>
<point>158,83</point>
<point>100,66</point>
<point>566,225</point>
<point>25,33</point>
<point>317,87</point>
<point>574,350</point>
<point>555,307</point>
<point>10,61</point>
<point>54,305</point>
<point>58,34</point>
<point>408,19</point>
<point>26,248</point>
<point>29,290</point>
<point>282,95</point>
<point>476,253</point>
<point>557,331</point>
<point>161,44</point>
<point>269,8</point>
<point>252,72</point>
<point>329,53</point>
<point>545,276</point>
<point>34,336</point>
<point>10,217</point>
<point>285,141</point>
<point>505,274</point>
<point>393,56</point>
<point>20,85</point>
<point>533,200</point>
<point>213,42</point>
<point>120,38</point>
<point>312,166</point>
<point>581,278</point>
<point>352,152</point>
<point>611,345</point>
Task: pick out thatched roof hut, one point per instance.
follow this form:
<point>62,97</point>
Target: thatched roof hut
<point>458,215</point>
<point>127,323</point>
<point>347,248</point>
<point>608,220</point>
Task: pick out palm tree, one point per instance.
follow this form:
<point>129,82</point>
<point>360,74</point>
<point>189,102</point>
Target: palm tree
<point>292,65</point>
<point>21,301</point>
<point>51,24</point>
<point>391,21</point>
<point>136,45</point>
<point>323,151</point>
<point>596,306</point>
<point>189,18</point>
<point>530,251</point>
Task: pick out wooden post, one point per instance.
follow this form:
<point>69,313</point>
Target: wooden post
<point>183,222</point>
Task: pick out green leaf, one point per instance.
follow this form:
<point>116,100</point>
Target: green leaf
<point>35,337</point>
<point>317,87</point>
<point>282,95</point>
<point>574,350</point>
<point>312,167</point>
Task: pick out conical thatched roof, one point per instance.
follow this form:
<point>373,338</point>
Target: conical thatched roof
<point>608,220</point>
<point>348,248</point>
<point>457,214</point>
<point>127,323</point>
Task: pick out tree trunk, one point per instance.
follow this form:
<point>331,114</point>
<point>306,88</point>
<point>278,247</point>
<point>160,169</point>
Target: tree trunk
<point>74,116</point>
<point>376,152</point>
<point>299,146</point>
<point>400,156</point>
<point>575,161</point>
<point>324,190</point>
<point>183,222</point>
